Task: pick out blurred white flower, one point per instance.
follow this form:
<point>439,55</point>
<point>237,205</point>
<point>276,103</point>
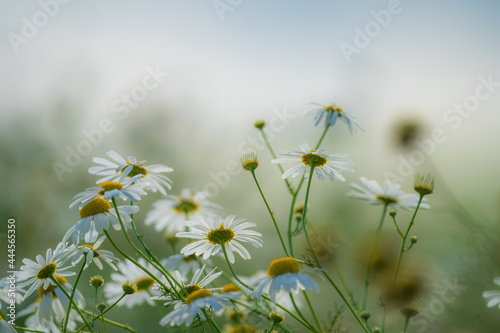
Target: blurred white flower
<point>331,165</point>
<point>171,214</point>
<point>389,194</point>
<point>492,297</point>
<point>331,113</point>
<point>151,174</point>
<point>91,253</point>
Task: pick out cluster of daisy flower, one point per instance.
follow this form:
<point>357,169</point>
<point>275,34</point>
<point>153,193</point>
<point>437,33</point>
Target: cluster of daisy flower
<point>187,283</point>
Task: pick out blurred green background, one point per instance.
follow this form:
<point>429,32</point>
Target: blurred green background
<point>64,76</point>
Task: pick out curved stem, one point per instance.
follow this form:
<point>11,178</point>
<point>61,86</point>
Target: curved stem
<point>102,313</point>
<point>223,246</point>
<point>305,209</point>
<point>322,136</point>
<point>25,329</point>
<point>403,242</point>
<point>370,257</point>
<point>104,323</point>
<point>312,310</point>
<point>353,311</point>
<point>407,320</point>
<point>73,293</point>
<point>135,261</point>
<point>397,227</point>
<point>270,213</point>
<point>290,189</point>
<point>212,321</point>
<point>149,259</point>
<point>72,302</point>
<point>290,217</point>
<point>93,309</point>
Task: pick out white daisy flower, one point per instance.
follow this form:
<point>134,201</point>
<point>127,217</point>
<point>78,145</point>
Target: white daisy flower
<point>282,297</point>
<point>210,233</point>
<point>331,165</point>
<point>492,297</point>
<point>185,264</point>
<point>332,113</point>
<point>38,273</point>
<point>92,253</point>
<point>152,174</point>
<point>389,194</point>
<point>285,274</point>
<point>194,307</point>
<point>6,327</point>
<point>130,272</point>
<point>171,214</point>
<point>196,283</point>
<point>51,306</point>
<point>126,190</point>
<point>96,216</point>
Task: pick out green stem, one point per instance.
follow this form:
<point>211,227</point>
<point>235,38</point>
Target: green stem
<point>212,321</point>
<point>407,320</point>
<point>370,257</point>
<point>397,227</point>
<point>270,213</point>
<point>290,189</point>
<point>297,309</point>
<point>311,173</point>
<point>104,323</point>
<point>102,313</point>
<point>25,329</point>
<point>135,261</point>
<point>72,302</point>
<point>353,311</point>
<point>93,309</point>
<point>403,242</point>
<point>73,293</point>
<point>312,310</point>
<point>149,259</point>
<point>223,246</point>
<point>290,217</point>
<point>343,283</point>
<point>322,136</point>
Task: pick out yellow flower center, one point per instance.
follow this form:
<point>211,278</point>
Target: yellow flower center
<point>47,271</point>
<point>283,266</point>
<point>387,200</point>
<point>60,279</point>
<point>95,253</point>
<point>144,283</point>
<point>220,236</point>
<point>136,170</point>
<point>331,108</point>
<point>230,288</point>
<point>186,207</point>
<point>109,186</point>
<point>245,328</point>
<point>96,206</point>
<point>189,258</point>
<point>191,289</point>
<point>313,160</point>
<point>198,294</point>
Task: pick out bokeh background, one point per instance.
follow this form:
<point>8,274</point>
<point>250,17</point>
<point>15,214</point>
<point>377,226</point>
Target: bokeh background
<point>251,60</point>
